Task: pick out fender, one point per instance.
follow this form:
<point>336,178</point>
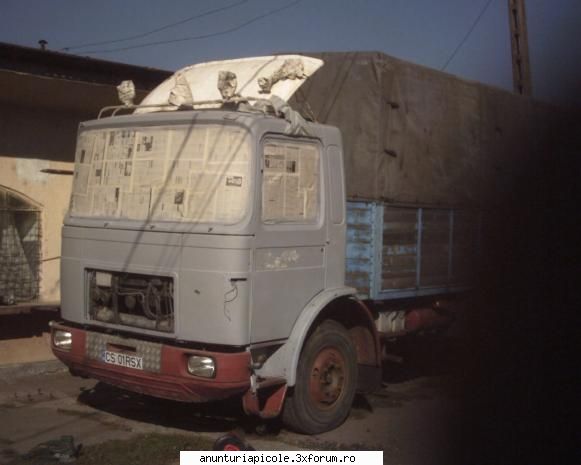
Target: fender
<point>284,362</point>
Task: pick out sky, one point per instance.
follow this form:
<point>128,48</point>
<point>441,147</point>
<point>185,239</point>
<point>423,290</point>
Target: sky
<point>425,32</point>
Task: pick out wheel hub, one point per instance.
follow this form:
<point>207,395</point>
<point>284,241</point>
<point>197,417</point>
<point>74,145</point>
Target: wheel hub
<point>327,377</point>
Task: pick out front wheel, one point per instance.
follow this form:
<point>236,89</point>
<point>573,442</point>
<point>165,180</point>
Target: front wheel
<point>326,381</point>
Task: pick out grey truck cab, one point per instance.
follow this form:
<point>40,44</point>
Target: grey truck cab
<point>203,252</point>
<point>208,243</point>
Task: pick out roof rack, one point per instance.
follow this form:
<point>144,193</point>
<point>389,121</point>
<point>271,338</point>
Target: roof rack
<point>114,109</point>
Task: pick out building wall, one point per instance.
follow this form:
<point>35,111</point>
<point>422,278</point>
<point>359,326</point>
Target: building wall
<point>36,136</point>
<point>38,132</point>
<point>50,193</point>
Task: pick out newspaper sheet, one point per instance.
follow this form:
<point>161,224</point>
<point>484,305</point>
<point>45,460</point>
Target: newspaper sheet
<point>290,191</point>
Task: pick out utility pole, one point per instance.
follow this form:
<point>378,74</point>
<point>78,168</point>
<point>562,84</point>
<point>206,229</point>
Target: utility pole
<point>521,67</point>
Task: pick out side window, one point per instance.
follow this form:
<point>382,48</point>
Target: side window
<point>290,182</point>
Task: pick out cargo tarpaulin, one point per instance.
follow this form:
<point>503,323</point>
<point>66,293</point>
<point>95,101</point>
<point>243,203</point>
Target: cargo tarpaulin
<point>414,135</point>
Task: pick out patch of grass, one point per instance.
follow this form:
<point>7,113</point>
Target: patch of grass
<point>150,449</point>
<point>309,444</point>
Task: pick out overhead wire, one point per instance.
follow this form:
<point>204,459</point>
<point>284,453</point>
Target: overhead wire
<point>202,36</point>
<point>466,36</point>
<point>159,29</point>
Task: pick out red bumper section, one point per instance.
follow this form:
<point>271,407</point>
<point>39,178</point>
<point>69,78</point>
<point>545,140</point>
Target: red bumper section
<point>173,381</point>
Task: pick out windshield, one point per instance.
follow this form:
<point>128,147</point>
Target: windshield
<point>174,173</point>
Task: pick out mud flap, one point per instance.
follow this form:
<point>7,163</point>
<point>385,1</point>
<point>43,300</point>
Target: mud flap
<point>266,402</point>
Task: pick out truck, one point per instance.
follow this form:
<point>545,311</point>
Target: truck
<point>236,235</point>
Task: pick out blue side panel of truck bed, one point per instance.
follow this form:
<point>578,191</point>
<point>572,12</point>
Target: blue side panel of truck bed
<point>398,252</point>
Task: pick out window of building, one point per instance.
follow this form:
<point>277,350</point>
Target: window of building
<point>19,248</point>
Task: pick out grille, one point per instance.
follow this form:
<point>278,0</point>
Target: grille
<point>130,299</point>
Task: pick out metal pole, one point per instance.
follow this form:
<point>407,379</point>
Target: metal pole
<point>420,226</point>
<point>521,67</point>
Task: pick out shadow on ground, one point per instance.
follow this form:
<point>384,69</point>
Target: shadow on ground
<point>26,325</point>
<point>208,417</point>
<point>423,359</point>
<point>425,356</point>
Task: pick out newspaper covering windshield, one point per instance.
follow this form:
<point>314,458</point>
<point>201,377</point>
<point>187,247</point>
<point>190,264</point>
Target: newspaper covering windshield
<point>194,174</point>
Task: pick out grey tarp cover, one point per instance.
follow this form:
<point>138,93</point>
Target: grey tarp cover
<point>413,135</point>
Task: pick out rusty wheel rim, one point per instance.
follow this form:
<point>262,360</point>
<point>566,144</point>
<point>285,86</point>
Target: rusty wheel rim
<point>327,378</point>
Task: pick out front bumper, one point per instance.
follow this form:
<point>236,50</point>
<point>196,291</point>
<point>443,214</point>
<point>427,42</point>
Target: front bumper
<point>167,379</point>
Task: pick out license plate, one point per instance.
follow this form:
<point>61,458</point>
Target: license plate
<point>123,360</point>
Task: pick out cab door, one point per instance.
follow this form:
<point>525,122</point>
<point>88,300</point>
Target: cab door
<point>289,258</point>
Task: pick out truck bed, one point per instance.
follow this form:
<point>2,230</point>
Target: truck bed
<point>399,252</point>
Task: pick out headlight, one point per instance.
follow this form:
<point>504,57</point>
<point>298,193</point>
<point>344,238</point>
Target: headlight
<point>201,366</point>
<point>62,339</point>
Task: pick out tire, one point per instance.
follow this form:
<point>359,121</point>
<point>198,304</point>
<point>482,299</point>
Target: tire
<point>229,443</point>
<point>326,381</point>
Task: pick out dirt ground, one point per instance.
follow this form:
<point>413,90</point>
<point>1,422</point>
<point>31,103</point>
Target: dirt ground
<point>414,418</point>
